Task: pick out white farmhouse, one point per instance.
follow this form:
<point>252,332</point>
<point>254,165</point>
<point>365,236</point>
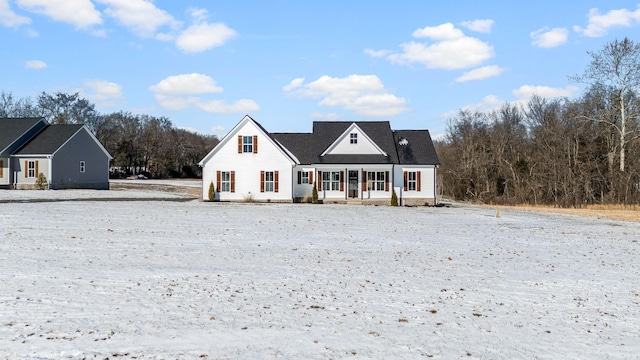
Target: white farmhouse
<point>361,161</point>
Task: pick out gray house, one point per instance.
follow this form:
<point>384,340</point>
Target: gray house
<point>69,156</point>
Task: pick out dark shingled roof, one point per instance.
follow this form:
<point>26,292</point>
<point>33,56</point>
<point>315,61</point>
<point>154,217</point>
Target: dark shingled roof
<point>299,144</point>
<point>12,128</point>
<point>307,147</point>
<point>415,147</point>
<point>49,140</point>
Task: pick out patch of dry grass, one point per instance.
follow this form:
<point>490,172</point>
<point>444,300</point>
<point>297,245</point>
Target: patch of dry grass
<point>612,212</point>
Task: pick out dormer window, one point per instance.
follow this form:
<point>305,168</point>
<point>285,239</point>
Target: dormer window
<point>353,138</point>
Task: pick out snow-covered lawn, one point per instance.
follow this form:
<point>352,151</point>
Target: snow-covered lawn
<point>155,278</point>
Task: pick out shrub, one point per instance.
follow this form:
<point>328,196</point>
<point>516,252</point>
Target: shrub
<point>212,192</point>
<point>314,194</point>
<point>248,198</point>
<point>307,199</point>
<point>41,182</point>
<point>394,198</point>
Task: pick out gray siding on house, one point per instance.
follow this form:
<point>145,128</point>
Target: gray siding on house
<point>65,171</point>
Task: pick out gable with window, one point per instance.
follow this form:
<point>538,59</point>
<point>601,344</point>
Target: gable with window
<point>248,144</point>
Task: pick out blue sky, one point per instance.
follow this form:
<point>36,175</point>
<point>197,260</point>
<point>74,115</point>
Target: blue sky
<point>206,64</point>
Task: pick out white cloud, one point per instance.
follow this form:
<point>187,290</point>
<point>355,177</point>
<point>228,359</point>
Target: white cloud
<point>182,91</point>
<point>363,94</point>
<point>376,53</point>
<point>441,32</point>
<point>198,14</point>
<point>35,64</point>
<point>80,13</point>
<point>186,84</point>
<point>483,26</point>
<point>9,18</point>
<point>141,16</point>
<point>488,103</point>
<point>598,24</point>
<point>453,54</point>
<point>451,49</point>
<point>218,130</point>
<point>481,73</point>
<point>295,83</point>
<point>219,106</point>
<point>525,92</point>
<point>204,36</point>
<point>550,38</point>
<point>104,94</point>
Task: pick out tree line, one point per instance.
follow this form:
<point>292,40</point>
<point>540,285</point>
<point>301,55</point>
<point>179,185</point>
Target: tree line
<point>139,144</point>
<point>561,152</point>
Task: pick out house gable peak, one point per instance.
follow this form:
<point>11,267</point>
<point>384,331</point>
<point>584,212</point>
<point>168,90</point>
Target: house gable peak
<point>353,141</point>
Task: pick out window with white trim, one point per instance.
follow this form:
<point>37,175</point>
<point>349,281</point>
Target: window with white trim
<point>331,180</point>
<point>31,169</point>
<point>353,138</point>
<point>82,166</point>
<point>247,144</point>
<point>225,181</point>
<point>375,180</point>
<point>304,177</point>
<point>412,180</point>
<point>268,181</point>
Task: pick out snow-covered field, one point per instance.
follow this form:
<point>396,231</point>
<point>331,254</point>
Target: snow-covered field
<point>98,277</point>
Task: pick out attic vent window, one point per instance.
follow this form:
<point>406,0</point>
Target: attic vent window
<point>403,142</point>
<point>353,138</point>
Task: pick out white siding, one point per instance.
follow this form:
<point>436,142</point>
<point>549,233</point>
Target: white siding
<point>363,146</point>
<point>427,181</point>
<point>302,190</point>
<point>247,167</point>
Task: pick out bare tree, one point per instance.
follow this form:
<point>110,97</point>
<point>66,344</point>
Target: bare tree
<point>617,67</point>
<point>23,107</point>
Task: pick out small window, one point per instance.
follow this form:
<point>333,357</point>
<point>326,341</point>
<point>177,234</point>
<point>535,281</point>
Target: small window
<point>268,181</point>
<point>247,144</point>
<point>31,173</point>
<point>225,181</point>
<point>353,138</point>
<point>304,177</point>
<point>82,166</point>
<point>412,181</point>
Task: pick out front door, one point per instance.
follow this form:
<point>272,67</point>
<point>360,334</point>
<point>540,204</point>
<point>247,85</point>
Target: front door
<point>353,183</point>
